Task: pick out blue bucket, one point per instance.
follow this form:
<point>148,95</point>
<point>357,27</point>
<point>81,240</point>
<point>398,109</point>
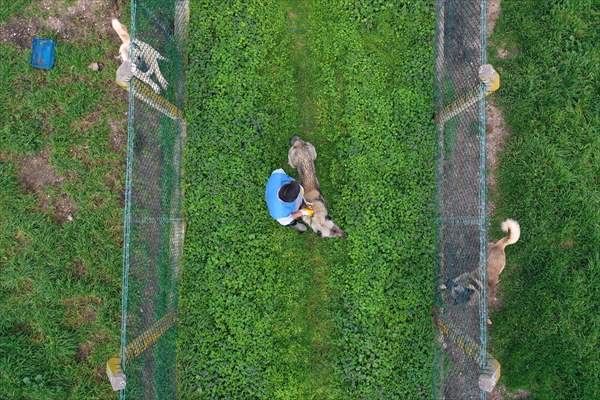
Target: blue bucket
<point>42,53</point>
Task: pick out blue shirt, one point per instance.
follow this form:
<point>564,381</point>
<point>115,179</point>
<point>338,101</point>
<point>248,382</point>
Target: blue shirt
<point>278,209</point>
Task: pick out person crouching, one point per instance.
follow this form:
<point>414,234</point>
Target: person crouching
<point>285,200</point>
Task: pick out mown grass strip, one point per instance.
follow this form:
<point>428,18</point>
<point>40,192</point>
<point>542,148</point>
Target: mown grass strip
<point>320,382</point>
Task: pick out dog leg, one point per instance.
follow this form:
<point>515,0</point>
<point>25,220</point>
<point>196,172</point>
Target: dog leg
<point>145,78</point>
<point>161,79</point>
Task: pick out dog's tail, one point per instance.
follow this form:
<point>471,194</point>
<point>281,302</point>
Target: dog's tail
<point>513,229</point>
<point>121,31</point>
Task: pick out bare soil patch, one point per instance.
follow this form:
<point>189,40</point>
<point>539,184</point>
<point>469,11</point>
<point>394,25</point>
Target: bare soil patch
<point>80,311</point>
<point>497,130</point>
<point>22,328</point>
<point>63,208</point>
<point>82,153</point>
<point>503,53</point>
<point>501,393</point>
<point>494,10</point>
<point>497,133</point>
<point>70,22</point>
<point>36,172</point>
<point>113,181</point>
<point>118,133</point>
<point>38,337</point>
<point>85,349</point>
<point>99,375</point>
<point>26,286</point>
<point>78,269</point>
<point>83,124</point>
<point>567,244</point>
<point>493,14</point>
<point>36,175</point>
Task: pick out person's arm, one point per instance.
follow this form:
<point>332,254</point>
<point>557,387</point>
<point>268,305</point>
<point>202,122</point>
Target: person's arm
<point>297,214</point>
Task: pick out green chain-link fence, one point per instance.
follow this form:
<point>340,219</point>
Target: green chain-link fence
<point>464,370</point>
<point>153,222</point>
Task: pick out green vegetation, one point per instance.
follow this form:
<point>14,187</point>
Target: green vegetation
<point>266,312</point>
<point>62,134</point>
<point>9,9</point>
<point>547,334</point>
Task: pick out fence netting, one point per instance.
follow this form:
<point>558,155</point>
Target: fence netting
<point>461,289</point>
<point>153,221</point>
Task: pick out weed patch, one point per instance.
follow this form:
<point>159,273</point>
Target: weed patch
<point>266,312</point>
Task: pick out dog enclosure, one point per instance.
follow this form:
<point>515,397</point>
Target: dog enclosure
<point>153,225</point>
<point>154,229</point>
<point>464,370</point>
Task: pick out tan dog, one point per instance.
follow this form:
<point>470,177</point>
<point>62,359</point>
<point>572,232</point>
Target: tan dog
<point>302,156</point>
<point>466,288</point>
<point>496,255</point>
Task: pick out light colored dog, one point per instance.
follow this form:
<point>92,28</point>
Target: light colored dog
<point>302,156</point>
<point>139,58</point>
<point>496,255</point>
<point>466,288</point>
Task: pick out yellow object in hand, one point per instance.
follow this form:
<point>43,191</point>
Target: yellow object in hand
<point>308,212</point>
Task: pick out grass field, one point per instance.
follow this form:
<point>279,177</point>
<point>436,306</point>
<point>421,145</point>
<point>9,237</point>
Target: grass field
<point>547,334</point>
<point>266,312</point>
<point>62,134</point>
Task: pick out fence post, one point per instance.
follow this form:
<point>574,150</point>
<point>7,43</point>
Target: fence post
<point>488,77</point>
<point>136,347</point>
<point>489,367</point>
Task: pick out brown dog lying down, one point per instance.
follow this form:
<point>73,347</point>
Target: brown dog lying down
<point>302,156</point>
<point>463,288</point>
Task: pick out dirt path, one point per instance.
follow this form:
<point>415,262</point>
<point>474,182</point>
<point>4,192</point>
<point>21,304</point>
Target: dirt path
<point>319,326</point>
<point>497,130</point>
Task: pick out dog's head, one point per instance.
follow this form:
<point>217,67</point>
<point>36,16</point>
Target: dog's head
<point>301,151</point>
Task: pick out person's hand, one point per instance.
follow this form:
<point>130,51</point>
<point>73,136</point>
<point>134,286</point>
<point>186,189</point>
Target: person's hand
<point>302,212</point>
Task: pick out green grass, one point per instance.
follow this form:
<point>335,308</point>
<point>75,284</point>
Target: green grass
<point>547,334</point>
<point>11,8</point>
<point>266,312</point>
<point>60,287</point>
